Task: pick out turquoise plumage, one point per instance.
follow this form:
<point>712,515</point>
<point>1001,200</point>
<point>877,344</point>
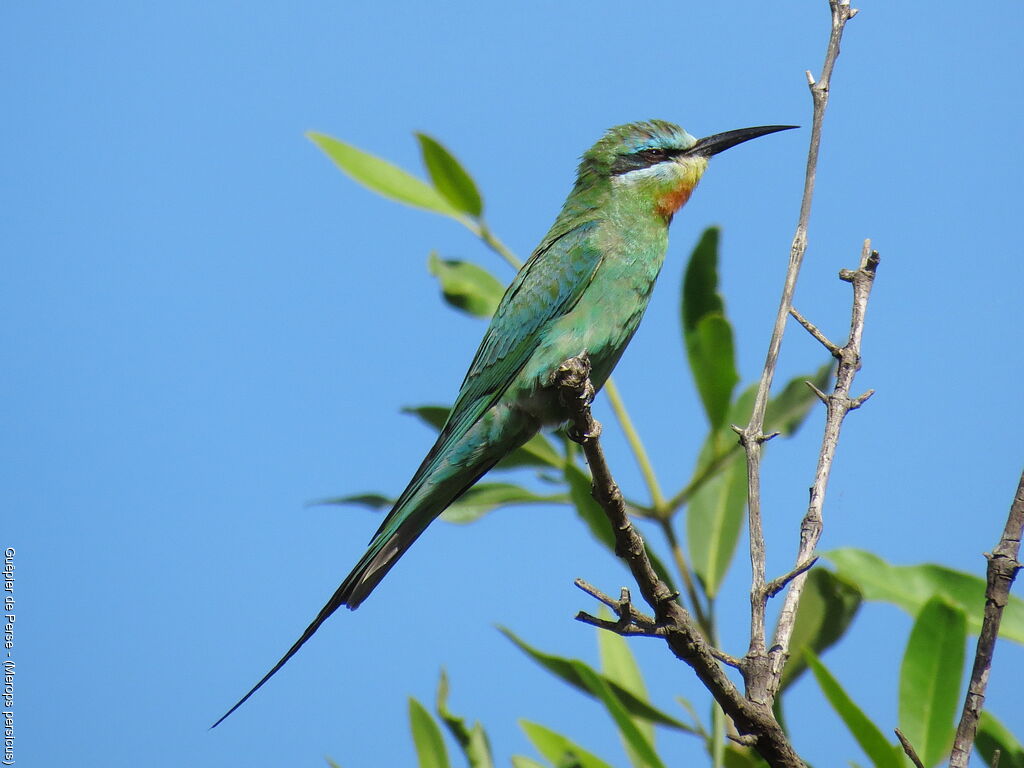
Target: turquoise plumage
<point>584,288</point>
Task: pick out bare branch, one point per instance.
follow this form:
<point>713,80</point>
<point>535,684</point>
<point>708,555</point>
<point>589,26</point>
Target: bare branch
<point>838,404</point>
<point>752,719</point>
<point>773,587</point>
<point>1002,569</point>
<point>815,332</point>
<point>626,630</point>
<point>756,671</point>
<point>908,748</point>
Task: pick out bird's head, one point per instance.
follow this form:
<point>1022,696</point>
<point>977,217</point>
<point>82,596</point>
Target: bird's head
<point>657,161</point>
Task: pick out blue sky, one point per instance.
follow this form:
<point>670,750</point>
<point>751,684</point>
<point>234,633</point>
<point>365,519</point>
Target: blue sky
<point>206,326</point>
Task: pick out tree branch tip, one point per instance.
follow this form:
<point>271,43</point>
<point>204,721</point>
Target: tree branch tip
<point>746,740</point>
<point>775,586</point>
<point>908,748</point>
<point>812,329</point>
<point>725,658</point>
<point>857,402</point>
<point>810,78</point>
<point>821,395</point>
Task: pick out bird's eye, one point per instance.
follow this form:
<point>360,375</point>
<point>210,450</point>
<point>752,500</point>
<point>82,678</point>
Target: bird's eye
<point>653,154</point>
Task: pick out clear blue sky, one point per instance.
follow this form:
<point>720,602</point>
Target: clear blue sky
<point>205,326</point>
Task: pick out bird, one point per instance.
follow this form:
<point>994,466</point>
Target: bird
<point>583,290</point>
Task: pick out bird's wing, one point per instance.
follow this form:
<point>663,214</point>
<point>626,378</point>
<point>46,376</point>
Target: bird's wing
<point>547,287</point>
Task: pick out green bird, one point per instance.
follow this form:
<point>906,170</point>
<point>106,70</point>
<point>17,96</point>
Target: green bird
<point>584,289</point>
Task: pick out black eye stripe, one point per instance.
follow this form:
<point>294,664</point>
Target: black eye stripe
<point>643,158</point>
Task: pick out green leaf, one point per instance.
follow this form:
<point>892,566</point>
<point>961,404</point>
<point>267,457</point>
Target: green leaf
<point>868,735</point>
<point>742,757</point>
<point>519,761</point>
<point>910,587</point>
<point>467,286</point>
<point>369,500</point>
<point>639,745</point>
<point>558,749</point>
<point>930,679</point>
<point>706,331</point>
<point>427,737</point>
<point>449,177</point>
<point>589,510</point>
<point>713,523</point>
<point>788,409</point>
<point>827,608</point>
<point>596,520</point>
<point>566,670</point>
<point>382,177</point>
<point>993,735</point>
<point>486,497</point>
<point>473,741</point>
<point>619,665</point>
<point>432,415</point>
<point>538,451</point>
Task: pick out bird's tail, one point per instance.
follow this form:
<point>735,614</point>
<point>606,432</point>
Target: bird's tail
<point>440,480</point>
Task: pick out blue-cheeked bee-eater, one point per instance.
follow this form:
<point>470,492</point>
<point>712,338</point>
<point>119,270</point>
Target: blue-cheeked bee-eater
<point>583,290</point>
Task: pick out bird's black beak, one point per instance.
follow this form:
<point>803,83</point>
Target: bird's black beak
<point>712,145</point>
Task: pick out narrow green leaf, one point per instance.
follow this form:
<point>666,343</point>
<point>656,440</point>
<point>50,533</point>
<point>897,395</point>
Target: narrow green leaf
<point>827,608</point>
<point>432,415</point>
<point>993,735</point>
<point>713,364</point>
<point>427,737</point>
<point>910,587</point>
<point>559,749</point>
<point>519,761</point>
<point>700,283</point>
<point>707,333</point>
<point>449,177</point>
<point>868,735</point>
<point>382,177</point>
<point>473,741</point>
<point>596,520</point>
<point>788,409</point>
<point>639,745</point>
<point>486,497</point>
<point>566,670</point>
<point>588,509</point>
<point>713,523</point>
<point>742,757</point>
<point>619,665</point>
<point>467,286</point>
<point>930,679</point>
<point>537,452</point>
<point>369,500</point>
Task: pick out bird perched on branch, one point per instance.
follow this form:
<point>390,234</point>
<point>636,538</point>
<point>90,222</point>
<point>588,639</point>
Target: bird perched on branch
<point>583,290</point>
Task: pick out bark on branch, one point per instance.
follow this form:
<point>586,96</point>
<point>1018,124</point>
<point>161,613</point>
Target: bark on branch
<point>673,622</point>
<point>1002,569</point>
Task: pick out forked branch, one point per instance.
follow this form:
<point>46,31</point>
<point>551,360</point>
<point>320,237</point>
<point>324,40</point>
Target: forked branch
<point>672,621</point>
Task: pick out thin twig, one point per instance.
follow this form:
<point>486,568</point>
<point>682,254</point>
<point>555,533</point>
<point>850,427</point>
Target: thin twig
<point>1002,569</point>
<point>773,587</point>
<point>626,630</point>
<point>812,329</point>
<point>642,459</point>
<point>838,404</point>
<point>756,671</point>
<point>908,748</point>
<point>681,632</point>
